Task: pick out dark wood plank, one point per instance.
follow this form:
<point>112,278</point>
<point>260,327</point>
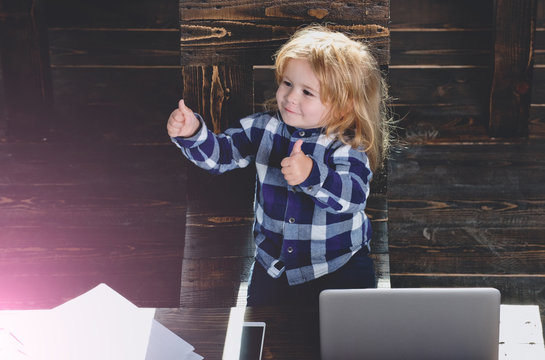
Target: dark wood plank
<point>506,173</point>
<point>114,105</point>
<point>465,46</point>
<point>513,63</point>
<point>74,215</point>
<point>370,11</point>
<point>538,91</point>
<point>537,121</point>
<point>469,215</point>
<point>441,14</point>
<point>242,32</point>
<point>540,14</point>
<point>467,249</point>
<point>440,104</point>
<point>442,123</point>
<point>102,47</point>
<point>3,114</point>
<point>539,49</point>
<point>439,85</point>
<point>112,14</point>
<point>25,67</point>
<point>254,44</point>
<point>221,94</point>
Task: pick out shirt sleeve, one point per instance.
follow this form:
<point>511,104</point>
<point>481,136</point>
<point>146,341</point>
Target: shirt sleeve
<point>218,153</point>
<point>342,184</point>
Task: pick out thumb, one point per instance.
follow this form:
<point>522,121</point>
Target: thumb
<point>297,147</point>
<point>183,107</point>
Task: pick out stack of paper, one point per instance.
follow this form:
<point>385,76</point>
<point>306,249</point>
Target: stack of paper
<point>100,324</point>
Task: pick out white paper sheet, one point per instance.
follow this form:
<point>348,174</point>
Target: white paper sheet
<point>100,324</point>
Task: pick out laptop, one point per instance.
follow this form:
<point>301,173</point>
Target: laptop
<point>420,323</point>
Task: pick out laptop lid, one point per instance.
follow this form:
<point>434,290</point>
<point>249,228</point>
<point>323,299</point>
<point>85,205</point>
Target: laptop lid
<point>422,323</point>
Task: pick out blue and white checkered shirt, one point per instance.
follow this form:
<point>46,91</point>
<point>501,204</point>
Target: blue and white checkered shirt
<point>308,230</point>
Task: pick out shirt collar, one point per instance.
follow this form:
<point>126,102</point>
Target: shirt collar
<point>298,132</point>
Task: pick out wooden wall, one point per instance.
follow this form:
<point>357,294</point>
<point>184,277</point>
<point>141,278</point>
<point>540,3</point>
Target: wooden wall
<point>537,109</point>
<point>100,197</point>
<point>440,73</point>
<point>464,209</point>
<point>116,74</point>
<point>115,67</point>
<point>440,69</point>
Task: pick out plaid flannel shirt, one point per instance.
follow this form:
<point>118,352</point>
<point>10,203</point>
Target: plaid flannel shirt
<point>308,230</point>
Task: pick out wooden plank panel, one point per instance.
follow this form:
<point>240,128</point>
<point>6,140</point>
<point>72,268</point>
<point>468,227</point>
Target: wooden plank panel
<point>540,14</point>
<point>221,94</point>
<point>112,14</point>
<point>538,91</point>
<point>442,123</point>
<point>539,49</point>
<point>512,173</point>
<point>118,47</point>
<point>537,122</point>
<point>441,14</point>
<point>439,85</point>
<point>368,11</point>
<point>25,67</point>
<point>254,44</point>
<point>468,215</point>
<point>114,105</point>
<point>451,47</point>
<point>74,215</point>
<point>513,62</point>
<point>467,249</point>
<point>244,32</point>
<point>214,282</point>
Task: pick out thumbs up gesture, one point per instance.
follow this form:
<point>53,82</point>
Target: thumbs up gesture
<point>296,167</point>
<point>182,122</point>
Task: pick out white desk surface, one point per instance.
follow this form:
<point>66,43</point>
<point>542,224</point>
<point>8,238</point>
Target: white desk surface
<point>521,334</point>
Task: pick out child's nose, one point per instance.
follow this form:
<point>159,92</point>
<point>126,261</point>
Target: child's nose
<point>291,96</point>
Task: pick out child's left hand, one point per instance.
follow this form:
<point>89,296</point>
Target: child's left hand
<point>297,167</point>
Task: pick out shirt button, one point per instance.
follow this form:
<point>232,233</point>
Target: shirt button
<point>291,220</point>
<point>309,188</point>
<point>301,133</point>
<point>290,250</point>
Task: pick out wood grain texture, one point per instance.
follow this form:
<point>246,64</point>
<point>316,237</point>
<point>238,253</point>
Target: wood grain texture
<point>469,215</point>
<point>414,47</point>
<point>244,32</point>
<point>75,215</point>
<point>112,14</point>
<point>114,105</point>
<point>449,14</point>
<point>221,94</point>
<point>109,47</point>
<point>513,65</point>
<point>25,67</point>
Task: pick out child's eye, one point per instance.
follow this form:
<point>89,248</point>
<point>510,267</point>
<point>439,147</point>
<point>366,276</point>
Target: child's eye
<point>287,83</point>
<point>308,93</point>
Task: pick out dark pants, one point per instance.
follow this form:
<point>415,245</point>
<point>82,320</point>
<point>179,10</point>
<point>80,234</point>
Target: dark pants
<point>263,290</point>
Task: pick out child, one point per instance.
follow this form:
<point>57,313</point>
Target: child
<point>314,158</point>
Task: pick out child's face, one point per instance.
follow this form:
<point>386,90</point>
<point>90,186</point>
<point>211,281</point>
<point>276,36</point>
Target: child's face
<point>298,96</point>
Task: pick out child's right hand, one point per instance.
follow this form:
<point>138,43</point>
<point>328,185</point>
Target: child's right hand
<point>182,122</point>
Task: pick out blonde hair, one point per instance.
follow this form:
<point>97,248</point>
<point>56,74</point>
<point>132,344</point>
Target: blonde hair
<point>351,81</point>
